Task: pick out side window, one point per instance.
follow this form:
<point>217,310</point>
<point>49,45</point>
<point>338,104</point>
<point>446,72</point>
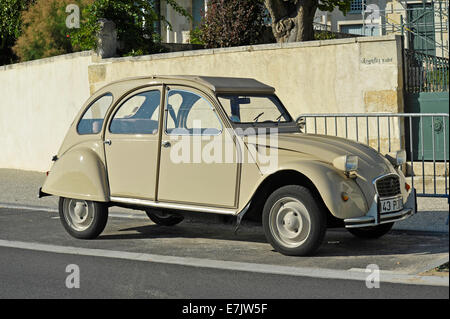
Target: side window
<point>138,115</point>
<point>190,113</point>
<point>92,120</point>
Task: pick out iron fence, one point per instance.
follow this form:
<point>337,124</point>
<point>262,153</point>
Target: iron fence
<point>388,132</point>
<point>425,73</point>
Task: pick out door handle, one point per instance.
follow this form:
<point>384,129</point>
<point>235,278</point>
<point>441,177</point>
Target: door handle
<point>165,144</point>
<point>108,142</point>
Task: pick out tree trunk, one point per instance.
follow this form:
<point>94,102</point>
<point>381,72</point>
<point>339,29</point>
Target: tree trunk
<point>292,20</point>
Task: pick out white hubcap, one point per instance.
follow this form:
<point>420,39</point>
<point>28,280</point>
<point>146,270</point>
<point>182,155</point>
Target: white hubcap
<point>79,214</point>
<point>290,222</point>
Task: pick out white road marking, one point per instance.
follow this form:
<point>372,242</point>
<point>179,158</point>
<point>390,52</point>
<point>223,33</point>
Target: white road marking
<point>55,210</point>
<point>229,265</point>
<point>33,208</point>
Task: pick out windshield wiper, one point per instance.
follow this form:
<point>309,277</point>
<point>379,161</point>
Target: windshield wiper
<point>279,118</point>
<point>255,120</point>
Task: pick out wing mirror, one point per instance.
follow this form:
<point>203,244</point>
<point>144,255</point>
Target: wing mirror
<point>301,123</point>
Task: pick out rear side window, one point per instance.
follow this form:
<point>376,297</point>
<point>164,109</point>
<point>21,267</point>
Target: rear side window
<point>92,120</point>
<point>138,115</point>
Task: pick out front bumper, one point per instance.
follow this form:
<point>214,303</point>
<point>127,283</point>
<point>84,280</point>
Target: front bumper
<point>374,217</point>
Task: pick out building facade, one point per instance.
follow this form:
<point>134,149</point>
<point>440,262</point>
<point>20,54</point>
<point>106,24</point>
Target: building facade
<point>424,23</point>
<point>180,27</point>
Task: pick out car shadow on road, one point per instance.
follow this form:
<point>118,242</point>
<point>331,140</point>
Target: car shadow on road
<point>337,242</point>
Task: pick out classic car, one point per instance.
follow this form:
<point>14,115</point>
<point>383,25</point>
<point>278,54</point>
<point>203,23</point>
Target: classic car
<point>168,145</point>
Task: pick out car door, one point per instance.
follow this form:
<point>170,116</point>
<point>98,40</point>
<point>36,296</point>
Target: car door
<point>132,145</point>
<point>198,165</point>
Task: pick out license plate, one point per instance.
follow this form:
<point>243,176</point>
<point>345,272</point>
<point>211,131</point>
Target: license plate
<point>391,205</point>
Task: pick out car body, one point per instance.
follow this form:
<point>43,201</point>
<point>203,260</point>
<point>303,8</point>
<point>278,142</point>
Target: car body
<point>152,143</point>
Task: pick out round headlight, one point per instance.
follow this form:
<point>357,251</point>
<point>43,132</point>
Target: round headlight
<point>400,157</point>
<point>346,163</point>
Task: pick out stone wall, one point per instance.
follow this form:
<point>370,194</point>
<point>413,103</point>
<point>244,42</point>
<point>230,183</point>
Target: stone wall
<point>41,98</point>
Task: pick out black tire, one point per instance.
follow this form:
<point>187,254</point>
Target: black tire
<point>85,223</point>
<point>285,209</point>
<point>164,218</point>
<point>372,232</point>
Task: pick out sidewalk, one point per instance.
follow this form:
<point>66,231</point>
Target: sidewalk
<point>21,188</point>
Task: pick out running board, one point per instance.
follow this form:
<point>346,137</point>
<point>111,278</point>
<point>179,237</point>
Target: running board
<point>194,208</point>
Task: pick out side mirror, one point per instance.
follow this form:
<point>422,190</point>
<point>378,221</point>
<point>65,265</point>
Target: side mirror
<point>301,123</point>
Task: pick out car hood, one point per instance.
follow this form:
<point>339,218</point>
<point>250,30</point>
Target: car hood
<point>325,148</point>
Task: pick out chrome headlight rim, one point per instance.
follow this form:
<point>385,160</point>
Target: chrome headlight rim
<point>346,163</point>
<point>397,158</point>
<point>400,157</point>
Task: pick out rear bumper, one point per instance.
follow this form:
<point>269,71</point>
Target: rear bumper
<point>374,217</point>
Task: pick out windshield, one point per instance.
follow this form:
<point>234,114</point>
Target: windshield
<point>254,108</point>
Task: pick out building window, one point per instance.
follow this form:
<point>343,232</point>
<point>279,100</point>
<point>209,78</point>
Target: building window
<point>356,6</point>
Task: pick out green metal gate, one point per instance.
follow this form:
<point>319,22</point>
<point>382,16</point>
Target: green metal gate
<point>429,133</point>
<point>427,91</point>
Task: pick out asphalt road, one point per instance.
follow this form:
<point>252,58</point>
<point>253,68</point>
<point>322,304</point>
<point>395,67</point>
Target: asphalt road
<point>33,274</point>
<point>134,258</point>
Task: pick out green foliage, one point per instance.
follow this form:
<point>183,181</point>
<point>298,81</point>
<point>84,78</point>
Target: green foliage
<point>134,23</point>
<point>329,5</point>
<point>324,35</point>
<point>44,31</point>
<point>232,23</point>
<point>195,36</point>
<point>10,27</point>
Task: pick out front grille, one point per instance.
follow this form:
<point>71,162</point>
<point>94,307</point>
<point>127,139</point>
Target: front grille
<point>388,186</point>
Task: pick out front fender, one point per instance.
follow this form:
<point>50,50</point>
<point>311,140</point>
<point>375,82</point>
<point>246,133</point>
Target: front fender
<point>330,184</point>
<point>80,174</point>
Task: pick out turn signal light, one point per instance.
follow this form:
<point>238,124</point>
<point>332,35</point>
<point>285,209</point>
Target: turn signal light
<point>47,173</point>
<point>407,187</point>
<point>345,197</point>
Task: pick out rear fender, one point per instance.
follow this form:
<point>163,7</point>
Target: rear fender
<point>79,173</point>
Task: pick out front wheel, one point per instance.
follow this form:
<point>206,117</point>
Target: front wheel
<point>83,219</point>
<point>292,221</point>
<point>371,232</point>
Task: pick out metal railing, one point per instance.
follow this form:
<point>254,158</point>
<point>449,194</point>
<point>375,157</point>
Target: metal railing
<point>426,73</point>
<point>388,132</point>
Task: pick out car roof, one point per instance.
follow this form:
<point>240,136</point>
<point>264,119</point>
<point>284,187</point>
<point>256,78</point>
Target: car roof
<point>216,84</point>
<point>227,84</point>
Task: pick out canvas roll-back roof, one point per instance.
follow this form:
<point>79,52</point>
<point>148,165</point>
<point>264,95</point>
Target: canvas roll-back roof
<point>226,84</point>
<point>216,84</point>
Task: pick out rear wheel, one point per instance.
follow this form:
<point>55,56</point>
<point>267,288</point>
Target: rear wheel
<point>372,232</point>
<point>163,218</point>
<point>292,221</point>
<point>82,218</point>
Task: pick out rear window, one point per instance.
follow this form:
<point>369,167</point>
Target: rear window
<point>92,120</point>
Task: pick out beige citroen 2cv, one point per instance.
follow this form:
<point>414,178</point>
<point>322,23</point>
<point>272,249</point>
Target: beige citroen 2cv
<point>216,145</point>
